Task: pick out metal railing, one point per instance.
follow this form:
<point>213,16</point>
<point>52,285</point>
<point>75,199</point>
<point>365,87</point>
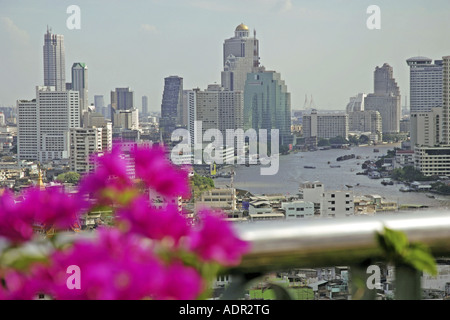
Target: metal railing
<point>351,241</point>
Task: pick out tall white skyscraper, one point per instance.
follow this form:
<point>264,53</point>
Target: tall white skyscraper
<point>80,84</point>
<point>190,105</point>
<point>446,100</point>
<point>425,84</point>
<point>240,57</point>
<point>44,124</point>
<point>54,61</point>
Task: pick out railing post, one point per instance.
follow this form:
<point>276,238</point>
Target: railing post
<point>407,283</point>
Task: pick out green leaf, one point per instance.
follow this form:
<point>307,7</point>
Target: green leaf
<point>420,258</point>
<point>398,250</point>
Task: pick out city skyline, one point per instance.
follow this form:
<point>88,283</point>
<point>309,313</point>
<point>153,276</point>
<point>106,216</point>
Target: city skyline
<point>325,51</point>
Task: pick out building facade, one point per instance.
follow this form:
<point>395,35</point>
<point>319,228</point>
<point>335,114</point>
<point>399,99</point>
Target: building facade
<point>54,61</point>
<point>240,57</point>
<point>433,161</point>
<point>54,113</point>
<point>426,127</point>
<point>267,104</point>
<point>365,121</point>
<point>171,106</point>
<point>80,84</point>
<point>83,143</point>
<point>325,125</point>
<point>425,84</point>
<point>386,99</point>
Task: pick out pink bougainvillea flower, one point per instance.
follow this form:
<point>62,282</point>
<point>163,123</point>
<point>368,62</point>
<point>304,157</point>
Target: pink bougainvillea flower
<point>155,170</point>
<point>154,223</point>
<point>52,207</point>
<point>180,283</point>
<point>114,266</point>
<point>215,240</point>
<point>110,173</point>
<point>15,224</point>
<point>17,287</point>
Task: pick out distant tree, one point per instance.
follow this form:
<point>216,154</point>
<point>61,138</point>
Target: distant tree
<point>354,140</point>
<point>69,177</point>
<point>284,149</point>
<point>363,139</point>
<point>323,143</point>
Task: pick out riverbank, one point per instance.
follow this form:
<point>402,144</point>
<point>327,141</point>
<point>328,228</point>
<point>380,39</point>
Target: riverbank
<point>334,175</point>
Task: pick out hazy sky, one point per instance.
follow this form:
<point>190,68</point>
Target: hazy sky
<point>321,48</point>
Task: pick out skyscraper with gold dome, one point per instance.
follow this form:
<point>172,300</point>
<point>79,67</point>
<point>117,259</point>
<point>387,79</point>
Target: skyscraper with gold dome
<point>240,57</point>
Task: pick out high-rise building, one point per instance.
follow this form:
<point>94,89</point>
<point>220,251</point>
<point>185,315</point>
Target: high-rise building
<point>126,119</point>
<point>325,125</point>
<point>446,100</point>
<point>83,143</point>
<point>425,84</point>
<point>54,61</point>
<point>267,104</point>
<point>53,113</point>
<point>220,109</point>
<point>27,128</point>
<point>386,99</point>
<point>171,106</point>
<point>121,99</point>
<point>356,103</point>
<point>426,128</point>
<point>144,105</point>
<point>240,57</point>
<point>190,105</point>
<point>80,84</point>
<point>99,103</point>
<point>365,121</point>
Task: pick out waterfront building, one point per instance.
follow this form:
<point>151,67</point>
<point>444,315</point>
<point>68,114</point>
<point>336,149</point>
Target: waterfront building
<point>386,99</point>
<point>365,121</point>
<point>298,209</point>
<point>331,204</point>
<point>446,101</point>
<point>222,199</point>
<point>433,161</point>
<point>426,127</point>
<point>267,104</point>
<point>240,57</point>
<point>425,84</point>
<point>325,125</point>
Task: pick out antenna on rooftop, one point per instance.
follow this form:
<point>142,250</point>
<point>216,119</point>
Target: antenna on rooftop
<point>311,103</point>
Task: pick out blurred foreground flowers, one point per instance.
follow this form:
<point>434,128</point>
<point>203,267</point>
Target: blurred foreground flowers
<point>148,252</point>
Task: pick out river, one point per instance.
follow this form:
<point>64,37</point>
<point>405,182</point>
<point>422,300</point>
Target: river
<point>292,173</point>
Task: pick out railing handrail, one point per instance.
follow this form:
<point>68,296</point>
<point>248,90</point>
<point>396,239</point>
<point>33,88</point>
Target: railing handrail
<point>339,241</point>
